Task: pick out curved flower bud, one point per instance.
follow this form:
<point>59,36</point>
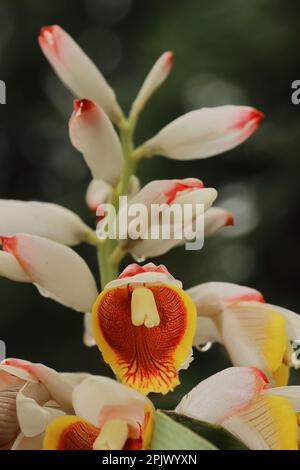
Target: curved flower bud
<point>11,269</point>
<point>44,219</point>
<point>215,219</point>
<point>238,399</point>
<point>98,192</point>
<point>162,231</point>
<point>109,416</point>
<point>143,323</point>
<point>76,70</point>
<point>92,134</point>
<point>204,133</point>
<point>154,80</point>
<point>56,270</point>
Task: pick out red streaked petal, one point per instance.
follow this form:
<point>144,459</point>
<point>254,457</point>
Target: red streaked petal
<point>145,358</point>
<point>262,375</point>
<point>70,433</point>
<point>134,268</point>
<point>78,436</point>
<point>205,132</point>
<point>182,185</point>
<point>252,116</point>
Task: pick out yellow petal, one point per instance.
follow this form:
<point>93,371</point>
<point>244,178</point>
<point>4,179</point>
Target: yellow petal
<point>70,433</point>
<point>270,423</point>
<point>112,436</point>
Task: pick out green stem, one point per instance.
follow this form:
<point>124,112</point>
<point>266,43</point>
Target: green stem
<point>108,267</point>
<point>109,253</point>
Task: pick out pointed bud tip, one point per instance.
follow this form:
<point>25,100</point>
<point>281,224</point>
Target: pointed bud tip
<point>83,105</point>
<point>48,34</point>
<point>230,219</point>
<point>248,119</point>
<point>8,243</point>
<point>256,115</point>
<point>169,55</point>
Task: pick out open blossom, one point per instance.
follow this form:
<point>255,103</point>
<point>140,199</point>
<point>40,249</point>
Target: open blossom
<point>253,332</point>
<point>240,400</point>
<point>31,395</point>
<point>204,132</point>
<point>108,416</point>
<point>76,70</point>
<point>144,324</point>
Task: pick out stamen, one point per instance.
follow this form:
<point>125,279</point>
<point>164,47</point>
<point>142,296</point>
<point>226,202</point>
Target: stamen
<point>113,435</point>
<point>143,308</point>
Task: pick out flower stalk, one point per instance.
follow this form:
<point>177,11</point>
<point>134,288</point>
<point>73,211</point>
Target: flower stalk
<point>110,254</point>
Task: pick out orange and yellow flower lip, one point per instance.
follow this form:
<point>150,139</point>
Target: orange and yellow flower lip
<point>145,354</point>
<point>77,433</point>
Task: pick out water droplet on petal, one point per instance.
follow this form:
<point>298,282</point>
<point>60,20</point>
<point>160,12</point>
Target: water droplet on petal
<point>139,258</point>
<point>204,347</point>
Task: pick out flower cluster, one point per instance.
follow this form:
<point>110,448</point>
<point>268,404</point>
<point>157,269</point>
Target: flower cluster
<point>142,320</point>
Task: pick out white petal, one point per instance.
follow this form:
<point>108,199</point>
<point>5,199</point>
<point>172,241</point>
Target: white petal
<point>96,395</point>
<point>9,372</point>
<point>76,70</point>
<point>11,269</point>
<point>204,196</point>
<point>57,270</point>
<point>88,337</point>
<point>92,134</point>
<point>97,193</point>
<point>146,277</point>
<point>154,79</point>
<point>204,133</point>
<point>32,416</point>
<point>211,298</point>
<point>206,332</point>
<point>43,219</point>
<point>215,219</point>
<point>74,378</point>
<point>59,386</point>
<point>222,395</point>
<point>165,191</point>
<point>28,443</point>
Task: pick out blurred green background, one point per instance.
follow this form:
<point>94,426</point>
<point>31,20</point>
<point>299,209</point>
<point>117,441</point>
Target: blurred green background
<point>226,52</point>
